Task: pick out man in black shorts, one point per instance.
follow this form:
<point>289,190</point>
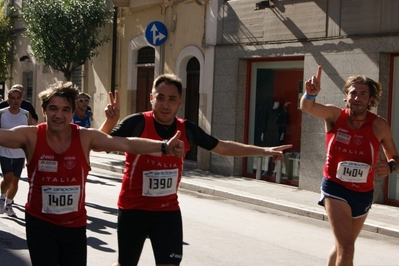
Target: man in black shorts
<point>12,161</point>
<point>354,136</point>
<point>147,202</point>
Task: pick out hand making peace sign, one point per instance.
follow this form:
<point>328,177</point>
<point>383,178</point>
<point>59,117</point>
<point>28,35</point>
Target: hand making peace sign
<point>112,110</point>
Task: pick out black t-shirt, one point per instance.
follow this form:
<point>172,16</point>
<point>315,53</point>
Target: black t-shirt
<point>24,105</point>
<point>133,126</point>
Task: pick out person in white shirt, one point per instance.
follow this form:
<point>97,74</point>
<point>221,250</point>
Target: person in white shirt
<point>12,160</point>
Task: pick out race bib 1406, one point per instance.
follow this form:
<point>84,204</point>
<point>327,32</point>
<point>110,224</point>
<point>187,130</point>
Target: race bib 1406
<point>60,199</point>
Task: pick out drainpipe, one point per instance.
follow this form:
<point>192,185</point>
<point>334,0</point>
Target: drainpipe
<point>114,35</point>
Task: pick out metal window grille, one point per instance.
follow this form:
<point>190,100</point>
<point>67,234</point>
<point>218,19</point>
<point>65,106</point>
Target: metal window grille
<point>146,55</point>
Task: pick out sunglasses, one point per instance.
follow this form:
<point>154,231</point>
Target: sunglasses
<point>83,100</point>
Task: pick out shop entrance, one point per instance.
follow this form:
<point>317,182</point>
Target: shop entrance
<point>275,118</point>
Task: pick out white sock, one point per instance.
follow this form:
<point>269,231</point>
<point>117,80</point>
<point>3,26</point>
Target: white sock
<point>9,202</point>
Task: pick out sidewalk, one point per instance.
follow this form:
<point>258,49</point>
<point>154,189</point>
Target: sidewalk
<point>382,219</point>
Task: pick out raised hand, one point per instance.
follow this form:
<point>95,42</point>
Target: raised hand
<point>312,85</point>
<point>175,146</point>
<point>112,110</point>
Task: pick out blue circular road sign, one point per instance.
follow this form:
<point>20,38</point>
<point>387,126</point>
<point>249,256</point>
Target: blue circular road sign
<point>156,33</point>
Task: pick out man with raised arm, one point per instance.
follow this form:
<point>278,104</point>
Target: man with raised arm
<point>353,139</point>
<point>148,204</point>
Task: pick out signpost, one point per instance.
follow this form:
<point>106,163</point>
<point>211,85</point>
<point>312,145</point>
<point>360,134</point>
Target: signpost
<point>156,33</point>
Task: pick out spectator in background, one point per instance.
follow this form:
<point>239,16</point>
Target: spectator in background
<point>12,160</point>
<point>24,105</point>
<point>83,115</point>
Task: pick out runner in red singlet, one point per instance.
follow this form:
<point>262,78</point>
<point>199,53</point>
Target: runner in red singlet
<point>148,203</point>
<point>353,139</point>
<point>57,154</point>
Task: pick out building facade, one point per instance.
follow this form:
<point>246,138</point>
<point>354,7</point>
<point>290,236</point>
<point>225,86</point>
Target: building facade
<point>33,75</point>
<point>243,63</point>
<point>144,51</point>
<point>264,52</point>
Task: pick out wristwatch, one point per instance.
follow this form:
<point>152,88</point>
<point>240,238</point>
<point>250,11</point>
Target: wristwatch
<point>164,146</point>
<point>392,166</point>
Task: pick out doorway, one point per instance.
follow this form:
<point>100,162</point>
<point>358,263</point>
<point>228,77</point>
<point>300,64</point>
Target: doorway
<point>192,100</point>
<point>145,79</point>
<point>275,118</point>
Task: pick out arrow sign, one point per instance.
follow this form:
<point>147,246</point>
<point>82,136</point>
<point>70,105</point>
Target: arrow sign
<point>156,33</point>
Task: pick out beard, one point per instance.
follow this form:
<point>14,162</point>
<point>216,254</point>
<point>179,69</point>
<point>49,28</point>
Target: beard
<point>357,110</point>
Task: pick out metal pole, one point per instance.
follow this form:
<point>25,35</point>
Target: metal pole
<point>278,171</point>
<point>114,36</point>
<point>258,168</point>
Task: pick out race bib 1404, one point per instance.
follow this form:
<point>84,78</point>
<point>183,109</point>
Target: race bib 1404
<point>354,172</point>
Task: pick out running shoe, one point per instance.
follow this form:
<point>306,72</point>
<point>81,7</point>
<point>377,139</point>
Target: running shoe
<point>2,205</point>
<point>10,212</point>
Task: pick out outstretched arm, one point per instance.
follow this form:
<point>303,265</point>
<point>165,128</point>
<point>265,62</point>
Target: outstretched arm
<point>100,141</point>
<point>236,149</point>
<point>23,137</point>
<point>16,137</point>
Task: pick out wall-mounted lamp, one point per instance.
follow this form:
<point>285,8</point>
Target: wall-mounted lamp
<point>264,4</point>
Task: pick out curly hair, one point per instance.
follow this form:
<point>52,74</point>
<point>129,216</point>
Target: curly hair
<point>375,88</point>
<point>66,90</point>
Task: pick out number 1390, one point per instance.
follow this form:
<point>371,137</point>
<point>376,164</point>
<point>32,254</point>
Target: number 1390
<point>163,183</point>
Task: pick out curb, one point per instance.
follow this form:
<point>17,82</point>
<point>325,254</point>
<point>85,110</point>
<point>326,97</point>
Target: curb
<point>282,207</point>
<point>253,200</point>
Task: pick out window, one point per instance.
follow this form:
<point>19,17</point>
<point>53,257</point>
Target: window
<point>146,55</point>
<point>77,77</point>
<point>27,78</point>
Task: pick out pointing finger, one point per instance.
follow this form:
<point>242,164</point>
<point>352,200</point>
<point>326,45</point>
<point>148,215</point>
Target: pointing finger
<point>318,75</point>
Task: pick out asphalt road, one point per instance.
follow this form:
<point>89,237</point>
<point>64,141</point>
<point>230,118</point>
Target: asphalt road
<point>217,232</point>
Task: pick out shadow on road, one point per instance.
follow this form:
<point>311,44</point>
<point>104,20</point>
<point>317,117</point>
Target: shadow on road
<point>98,175</point>
<point>9,245</point>
<point>99,244</point>
<point>101,226</point>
